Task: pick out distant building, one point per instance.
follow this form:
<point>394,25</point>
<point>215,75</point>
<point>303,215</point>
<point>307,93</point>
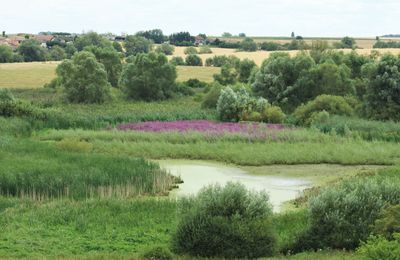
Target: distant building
<point>199,41</point>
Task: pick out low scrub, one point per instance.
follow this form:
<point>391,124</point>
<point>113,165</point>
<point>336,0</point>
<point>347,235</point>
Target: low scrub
<point>228,222</point>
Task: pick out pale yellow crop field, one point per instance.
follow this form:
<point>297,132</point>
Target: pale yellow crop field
<point>36,74</point>
<point>26,75</point>
<point>259,56</point>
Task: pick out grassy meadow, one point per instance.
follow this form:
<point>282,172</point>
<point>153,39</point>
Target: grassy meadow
<point>79,181</point>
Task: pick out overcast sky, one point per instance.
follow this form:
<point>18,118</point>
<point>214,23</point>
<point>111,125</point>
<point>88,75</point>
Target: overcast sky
<point>213,17</point>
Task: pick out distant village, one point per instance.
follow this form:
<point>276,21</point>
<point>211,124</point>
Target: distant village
<point>48,39</point>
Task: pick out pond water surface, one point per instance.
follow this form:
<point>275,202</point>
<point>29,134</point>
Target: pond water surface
<point>198,174</point>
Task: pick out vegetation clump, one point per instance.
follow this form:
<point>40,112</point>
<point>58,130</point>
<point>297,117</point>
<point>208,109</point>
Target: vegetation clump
<point>229,222</point>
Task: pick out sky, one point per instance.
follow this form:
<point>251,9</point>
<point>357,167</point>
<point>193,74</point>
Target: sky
<point>308,18</point>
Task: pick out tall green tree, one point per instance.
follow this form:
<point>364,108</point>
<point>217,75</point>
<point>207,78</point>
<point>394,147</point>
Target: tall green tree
<point>31,50</point>
<point>6,54</point>
<point>149,77</point>
<point>112,61</point>
<point>84,79</point>
<point>383,90</point>
<point>91,38</point>
<point>137,44</point>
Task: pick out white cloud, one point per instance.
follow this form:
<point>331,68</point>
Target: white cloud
<point>255,17</point>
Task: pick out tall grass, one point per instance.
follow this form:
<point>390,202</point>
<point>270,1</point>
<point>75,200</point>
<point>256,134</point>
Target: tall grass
<point>366,129</point>
<point>304,147</point>
<point>67,228</point>
<point>41,171</point>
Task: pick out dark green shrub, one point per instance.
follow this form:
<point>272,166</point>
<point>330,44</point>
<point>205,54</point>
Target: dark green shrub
<point>248,44</point>
<point>229,222</point>
<point>195,83</point>
<point>193,60</point>
<point>177,61</point>
<point>334,105</point>
<point>158,253</point>
<point>6,96</point>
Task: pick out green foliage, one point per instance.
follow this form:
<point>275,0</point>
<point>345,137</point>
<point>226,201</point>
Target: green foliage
<point>270,46</point>
<point>117,46</point>
<point>334,105</point>
<point>93,228</point>
<point>377,248</point>
<point>70,50</point>
<point>204,49</point>
<point>191,50</point>
<point>219,61</point>
<point>166,48</point>
<point>248,44</point>
<point>273,115</point>
<point>177,61</point>
<point>228,75</point>
<point>210,100</point>
<point>386,45</point>
<point>366,129</point>
<point>57,53</point>
<point>158,253</point>
<point>346,43</point>
<point>388,222</point>
<point>36,170</point>
<point>155,35</point>
<point>6,96</point>
<point>6,54</point>
<point>31,50</point>
<point>195,83</point>
<point>149,77</point>
<point>182,39</point>
<point>227,105</point>
<point>245,68</point>
<point>193,60</point>
<point>278,79</point>
<point>111,60</point>
<point>383,95</point>
<point>89,39</point>
<point>342,216</point>
<point>84,79</point>
<point>229,222</point>
<point>137,44</point>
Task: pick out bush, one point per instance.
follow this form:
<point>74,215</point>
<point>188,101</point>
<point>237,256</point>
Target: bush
<point>177,61</point>
<point>229,222</point>
<point>227,105</point>
<point>211,98</point>
<point>6,96</point>
<point>6,54</point>
<point>378,248</point>
<point>84,79</point>
<point>205,50</point>
<point>342,216</point>
<point>334,105</point>
<point>166,48</point>
<point>195,83</point>
<point>388,222</point>
<point>149,77</point>
<point>158,253</point>
<point>193,60</point>
<point>248,44</point>
<point>190,50</point>
<point>273,115</point>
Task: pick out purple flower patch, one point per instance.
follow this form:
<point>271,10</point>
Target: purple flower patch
<point>198,126</point>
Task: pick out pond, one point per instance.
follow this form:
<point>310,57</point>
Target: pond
<point>198,174</point>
